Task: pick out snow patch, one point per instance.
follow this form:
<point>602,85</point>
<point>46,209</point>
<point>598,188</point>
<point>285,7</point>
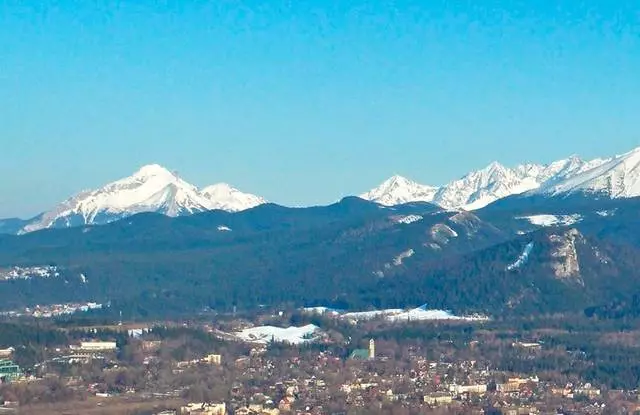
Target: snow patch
<point>552,220</point>
<point>522,259</point>
<point>605,213</point>
<point>320,310</point>
<point>25,273</point>
<point>442,233</point>
<point>604,259</point>
<point>397,261</point>
<point>408,219</point>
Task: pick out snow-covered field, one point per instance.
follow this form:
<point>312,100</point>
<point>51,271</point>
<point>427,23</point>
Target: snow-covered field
<point>424,314</point>
<point>292,335</point>
<point>421,313</point>
<point>370,315</point>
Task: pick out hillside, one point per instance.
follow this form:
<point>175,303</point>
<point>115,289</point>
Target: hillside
<point>352,254</point>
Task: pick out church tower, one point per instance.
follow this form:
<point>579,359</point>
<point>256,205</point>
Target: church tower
<point>372,349</point>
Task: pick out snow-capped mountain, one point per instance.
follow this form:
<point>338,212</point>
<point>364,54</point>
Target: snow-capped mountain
<point>482,187</point>
<point>617,177</point>
<point>151,189</point>
<point>479,188</point>
<point>398,190</point>
<point>225,197</point>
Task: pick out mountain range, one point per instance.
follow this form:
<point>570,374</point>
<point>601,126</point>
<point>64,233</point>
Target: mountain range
<point>153,188</point>
<point>508,258</point>
<point>557,238</point>
<point>614,177</point>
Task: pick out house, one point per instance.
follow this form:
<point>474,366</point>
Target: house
<point>6,353</point>
<point>513,384</point>
<point>527,345</point>
<point>470,389</point>
<point>9,371</point>
<point>438,398</point>
<point>95,346</point>
<point>285,403</point>
<point>261,410</point>
<point>524,410</point>
<point>587,390</point>
<point>151,345</point>
<point>213,359</point>
<point>204,409</point>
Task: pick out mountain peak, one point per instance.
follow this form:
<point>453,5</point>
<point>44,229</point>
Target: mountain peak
<point>226,197</point>
<point>152,188</point>
<point>494,165</point>
<point>152,170</point>
<point>398,190</point>
<point>396,180</point>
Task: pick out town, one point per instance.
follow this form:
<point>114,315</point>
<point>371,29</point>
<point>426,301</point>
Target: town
<point>300,362</point>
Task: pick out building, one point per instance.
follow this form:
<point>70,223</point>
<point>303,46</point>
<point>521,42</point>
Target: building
<point>258,410</point>
<point>359,354</point>
<point>204,409</point>
<point>9,371</point>
<point>527,345</point>
<point>439,398</point>
<point>470,389</point>
<point>364,354</point>
<point>96,346</point>
<point>151,345</point>
<point>213,359</point>
<point>6,353</point>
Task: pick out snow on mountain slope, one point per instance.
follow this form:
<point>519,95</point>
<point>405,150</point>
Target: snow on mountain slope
<point>617,177</point>
<point>552,220</point>
<point>479,188</point>
<point>398,190</point>
<point>151,189</point>
<point>522,258</point>
<point>223,196</point>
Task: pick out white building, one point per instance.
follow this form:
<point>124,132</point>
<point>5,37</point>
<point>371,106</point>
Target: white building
<point>96,346</point>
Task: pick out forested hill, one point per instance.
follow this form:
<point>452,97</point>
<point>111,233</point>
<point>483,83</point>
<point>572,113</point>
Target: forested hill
<point>352,254</point>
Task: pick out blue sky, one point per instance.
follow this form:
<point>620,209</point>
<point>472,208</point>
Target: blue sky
<point>305,101</point>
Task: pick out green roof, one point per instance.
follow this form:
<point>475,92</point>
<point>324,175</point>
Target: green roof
<point>9,370</point>
<point>359,354</point>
